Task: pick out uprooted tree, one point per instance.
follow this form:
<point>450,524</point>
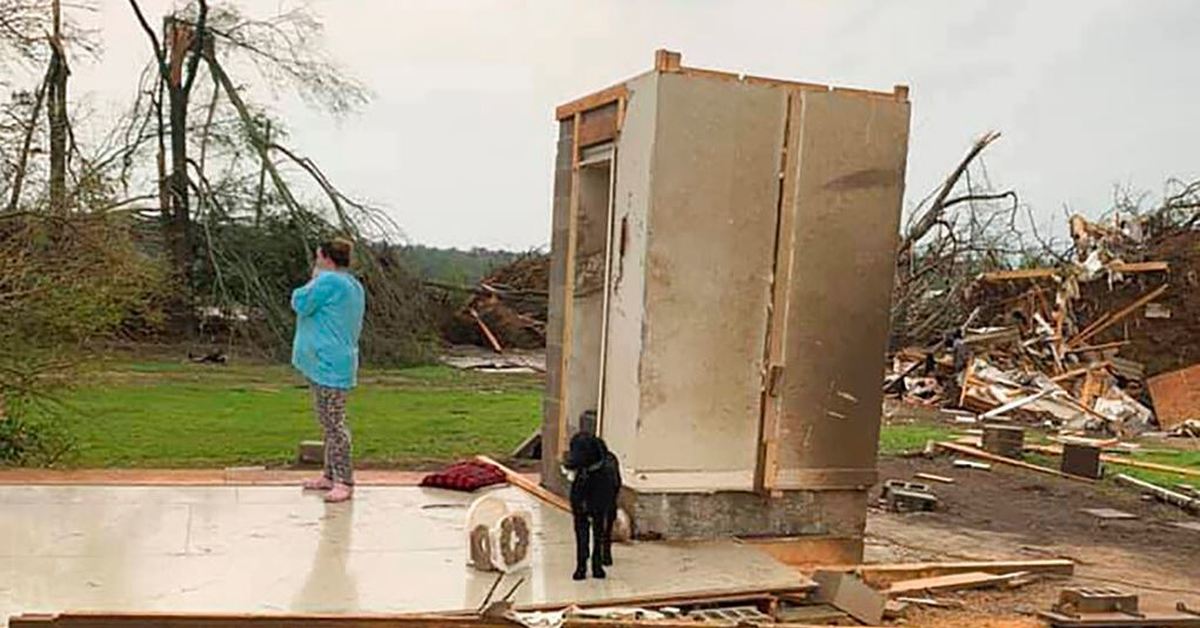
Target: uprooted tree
<point>259,207</point>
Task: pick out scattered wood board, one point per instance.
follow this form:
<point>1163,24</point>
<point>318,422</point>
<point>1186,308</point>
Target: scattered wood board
<point>934,478</point>
<point>971,464</point>
<point>520,481</point>
<point>952,582</point>
<point>885,574</point>
<point>1109,513</point>
<point>1176,396</point>
<point>979,453</point>
<point>1119,315</point>
<point>1194,526</point>
<point>1122,461</point>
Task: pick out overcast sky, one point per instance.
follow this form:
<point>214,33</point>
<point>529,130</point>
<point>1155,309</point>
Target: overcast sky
<point>458,140</point>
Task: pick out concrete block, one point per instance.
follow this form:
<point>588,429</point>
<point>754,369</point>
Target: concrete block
<point>311,452</point>
<point>1081,460</point>
<point>719,515</point>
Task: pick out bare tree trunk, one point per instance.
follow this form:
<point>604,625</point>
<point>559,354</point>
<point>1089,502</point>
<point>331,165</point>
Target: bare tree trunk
<point>23,159</point>
<point>178,228</point>
<point>57,113</point>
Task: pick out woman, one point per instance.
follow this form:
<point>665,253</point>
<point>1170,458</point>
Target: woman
<point>329,315</point>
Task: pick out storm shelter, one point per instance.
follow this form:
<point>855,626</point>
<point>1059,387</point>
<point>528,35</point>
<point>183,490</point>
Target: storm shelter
<point>722,262</point>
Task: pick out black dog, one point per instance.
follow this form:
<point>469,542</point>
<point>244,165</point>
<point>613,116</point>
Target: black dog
<point>594,492</point>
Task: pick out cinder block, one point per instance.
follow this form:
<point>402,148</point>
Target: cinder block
<point>1081,460</point>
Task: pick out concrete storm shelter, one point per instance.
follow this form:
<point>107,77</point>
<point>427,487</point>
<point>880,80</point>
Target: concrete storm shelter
<point>723,253</point>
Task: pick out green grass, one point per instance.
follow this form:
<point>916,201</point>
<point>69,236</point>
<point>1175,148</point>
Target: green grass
<point>183,415</point>
<point>901,438</point>
<point>1188,459</point>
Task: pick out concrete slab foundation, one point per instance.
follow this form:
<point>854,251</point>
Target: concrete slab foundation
<point>279,550</point>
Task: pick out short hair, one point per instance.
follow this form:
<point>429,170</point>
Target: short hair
<point>338,250</point>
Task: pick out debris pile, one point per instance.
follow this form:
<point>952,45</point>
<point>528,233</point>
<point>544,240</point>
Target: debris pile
<point>507,309</point>
<point>1067,347</point>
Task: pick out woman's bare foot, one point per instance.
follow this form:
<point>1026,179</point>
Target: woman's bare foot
<point>318,484</point>
<point>339,493</point>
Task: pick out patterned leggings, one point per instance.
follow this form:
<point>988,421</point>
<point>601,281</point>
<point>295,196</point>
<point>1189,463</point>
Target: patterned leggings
<point>330,405</point>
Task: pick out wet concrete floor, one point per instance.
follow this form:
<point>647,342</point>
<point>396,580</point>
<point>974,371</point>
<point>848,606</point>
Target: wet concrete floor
<point>277,549</point>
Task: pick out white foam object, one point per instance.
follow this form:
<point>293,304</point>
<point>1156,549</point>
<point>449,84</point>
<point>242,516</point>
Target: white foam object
<point>509,535</point>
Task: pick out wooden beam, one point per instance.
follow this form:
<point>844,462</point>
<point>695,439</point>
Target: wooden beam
<point>491,338</point>
<point>529,486</point>
<point>568,307</point>
<point>592,101</point>
<point>1116,344</point>
<point>1083,370</point>
<point>952,582</point>
<point>979,453</point>
<point>885,574</point>
<point>1120,314</point>
<point>1021,273</point>
<point>1122,461</point>
<point>1139,267</point>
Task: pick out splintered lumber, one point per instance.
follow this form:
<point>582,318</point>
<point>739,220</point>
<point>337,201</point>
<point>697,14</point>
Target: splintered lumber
<point>520,481</point>
<point>1122,461</point>
<point>1119,315</point>
<point>1190,504</point>
<point>885,574</point>
<point>953,582</point>
<point>934,478</point>
<point>979,453</point>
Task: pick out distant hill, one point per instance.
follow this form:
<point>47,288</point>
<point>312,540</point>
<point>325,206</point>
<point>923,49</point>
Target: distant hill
<point>455,266</point>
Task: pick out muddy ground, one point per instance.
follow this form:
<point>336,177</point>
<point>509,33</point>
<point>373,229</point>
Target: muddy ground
<point>1010,513</point>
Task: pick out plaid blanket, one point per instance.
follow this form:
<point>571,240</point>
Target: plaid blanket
<point>465,476</point>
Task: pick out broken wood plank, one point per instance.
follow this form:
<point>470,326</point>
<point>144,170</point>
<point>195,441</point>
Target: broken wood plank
<point>971,464</point>
<point>1139,267</point>
<point>1016,403</point>
<point>1021,273</point>
<point>1123,461</point>
<point>491,338</point>
<point>520,481</point>
<point>1119,315</point>
<point>1072,374</point>
<point>1190,504</point>
<point>952,582</point>
<point>979,453</point>
<point>1116,344</point>
<point>934,478</point>
<point>883,575</point>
